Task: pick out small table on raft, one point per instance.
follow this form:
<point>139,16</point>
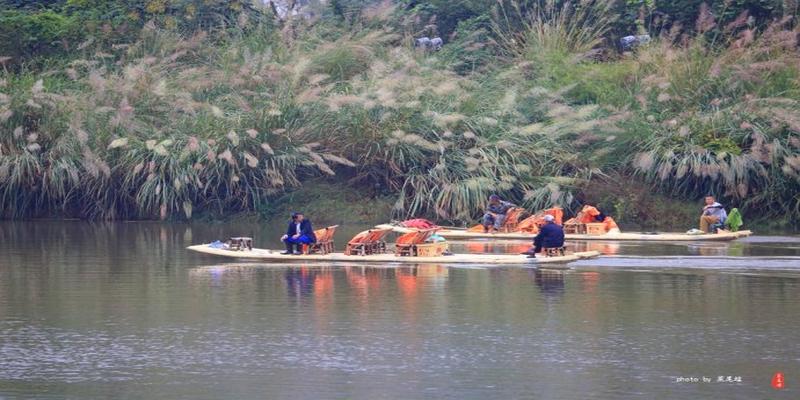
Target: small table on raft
<point>591,228</point>
<point>240,243</point>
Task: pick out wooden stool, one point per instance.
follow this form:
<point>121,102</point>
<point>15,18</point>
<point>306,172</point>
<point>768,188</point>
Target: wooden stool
<point>554,251</point>
<point>240,243</point>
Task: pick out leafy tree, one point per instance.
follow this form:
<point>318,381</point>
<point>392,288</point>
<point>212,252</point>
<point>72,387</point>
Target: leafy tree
<point>24,35</point>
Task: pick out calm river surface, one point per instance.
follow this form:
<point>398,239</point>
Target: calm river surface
<point>124,311</point>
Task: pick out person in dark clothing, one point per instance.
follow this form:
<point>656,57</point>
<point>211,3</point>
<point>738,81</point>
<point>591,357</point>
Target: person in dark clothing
<point>495,214</point>
<point>550,235</point>
<point>297,234</point>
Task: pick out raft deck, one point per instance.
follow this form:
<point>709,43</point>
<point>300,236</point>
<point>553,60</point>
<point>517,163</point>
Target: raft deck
<point>505,259</point>
<point>641,237</point>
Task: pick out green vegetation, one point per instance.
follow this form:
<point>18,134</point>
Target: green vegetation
<point>178,114</point>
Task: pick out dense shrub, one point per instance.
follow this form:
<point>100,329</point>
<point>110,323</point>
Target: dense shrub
<point>30,31</point>
<point>24,35</point>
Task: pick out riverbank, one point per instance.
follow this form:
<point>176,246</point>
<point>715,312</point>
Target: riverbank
<point>176,125</point>
<point>634,207</point>
<point>326,203</point>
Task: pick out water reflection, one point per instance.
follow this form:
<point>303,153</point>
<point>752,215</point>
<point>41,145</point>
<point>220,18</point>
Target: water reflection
<point>747,247</point>
<point>549,282</point>
<point>124,311</point>
<point>605,248</point>
<point>708,249</point>
<point>496,247</point>
<point>307,281</point>
<point>323,282</point>
<point>407,282</point>
<point>300,282</point>
<point>517,246</point>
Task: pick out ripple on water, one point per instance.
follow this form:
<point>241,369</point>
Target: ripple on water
<point>743,264</point>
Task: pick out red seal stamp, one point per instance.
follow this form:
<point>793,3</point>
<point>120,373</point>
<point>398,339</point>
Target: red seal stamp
<point>777,381</point>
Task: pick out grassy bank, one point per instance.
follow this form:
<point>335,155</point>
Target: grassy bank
<point>327,203</point>
<point>174,125</point>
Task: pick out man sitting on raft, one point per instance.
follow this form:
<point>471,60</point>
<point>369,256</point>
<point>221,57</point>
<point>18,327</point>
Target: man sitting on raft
<point>495,213</point>
<point>713,214</point>
<point>298,233</point>
<point>551,235</point>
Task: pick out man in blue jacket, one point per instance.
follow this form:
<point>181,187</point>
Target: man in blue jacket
<point>713,214</point>
<point>297,234</point>
<point>550,235</point>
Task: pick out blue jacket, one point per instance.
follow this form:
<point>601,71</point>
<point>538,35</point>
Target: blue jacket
<point>551,235</point>
<point>716,210</point>
<point>500,208</point>
<point>305,229</point>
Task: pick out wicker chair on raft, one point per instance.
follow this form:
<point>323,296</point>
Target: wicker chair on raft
<point>414,244</point>
<point>515,223</point>
<point>324,243</point>
<point>532,223</point>
<point>585,222</point>
<point>368,242</point>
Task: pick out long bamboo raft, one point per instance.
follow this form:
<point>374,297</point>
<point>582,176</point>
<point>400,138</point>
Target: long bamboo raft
<point>454,233</point>
<point>505,259</point>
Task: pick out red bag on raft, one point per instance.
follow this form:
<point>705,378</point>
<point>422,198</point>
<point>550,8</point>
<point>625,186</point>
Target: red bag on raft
<point>418,223</point>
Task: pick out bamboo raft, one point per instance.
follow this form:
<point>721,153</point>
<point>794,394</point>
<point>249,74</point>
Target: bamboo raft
<point>504,259</point>
<point>455,233</point>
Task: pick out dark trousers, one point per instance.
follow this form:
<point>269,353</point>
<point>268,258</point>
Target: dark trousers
<point>491,220</point>
<point>537,245</point>
<point>299,242</point>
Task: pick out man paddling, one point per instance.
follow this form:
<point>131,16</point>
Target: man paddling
<point>298,233</point>
<point>495,213</point>
<point>713,214</point>
<point>551,235</point>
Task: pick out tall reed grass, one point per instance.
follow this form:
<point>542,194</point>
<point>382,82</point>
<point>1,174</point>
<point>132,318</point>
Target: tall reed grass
<point>724,120</point>
<point>163,127</point>
<point>693,115</point>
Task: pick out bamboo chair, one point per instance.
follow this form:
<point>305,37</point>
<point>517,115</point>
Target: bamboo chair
<point>532,223</point>
<point>368,242</point>
<point>513,216</point>
<point>324,243</point>
<point>406,244</point>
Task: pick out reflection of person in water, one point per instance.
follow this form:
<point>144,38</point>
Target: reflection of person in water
<point>708,249</point>
<point>550,282</point>
<point>300,282</point>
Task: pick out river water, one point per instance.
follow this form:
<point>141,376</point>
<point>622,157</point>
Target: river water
<point>124,311</point>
